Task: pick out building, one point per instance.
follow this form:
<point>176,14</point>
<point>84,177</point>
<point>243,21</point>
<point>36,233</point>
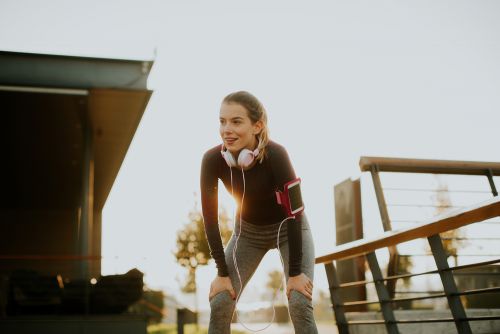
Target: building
<point>67,125</point>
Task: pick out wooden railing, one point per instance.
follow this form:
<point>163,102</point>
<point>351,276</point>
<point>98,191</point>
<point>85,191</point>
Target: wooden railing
<point>429,229</point>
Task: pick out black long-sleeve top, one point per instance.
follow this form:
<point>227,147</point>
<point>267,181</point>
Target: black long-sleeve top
<point>260,206</point>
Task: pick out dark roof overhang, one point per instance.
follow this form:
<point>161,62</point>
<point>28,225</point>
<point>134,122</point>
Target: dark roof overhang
<point>47,103</point>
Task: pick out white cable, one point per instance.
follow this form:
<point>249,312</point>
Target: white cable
<point>236,263</point>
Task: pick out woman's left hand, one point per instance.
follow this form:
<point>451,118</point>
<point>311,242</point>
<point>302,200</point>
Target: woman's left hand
<point>301,283</point>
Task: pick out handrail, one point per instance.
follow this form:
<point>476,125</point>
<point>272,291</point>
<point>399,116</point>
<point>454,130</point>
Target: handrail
<point>430,229</point>
<point>442,223</point>
<point>429,166</point>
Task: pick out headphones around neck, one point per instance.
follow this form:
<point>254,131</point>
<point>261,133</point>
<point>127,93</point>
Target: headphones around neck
<point>245,158</point>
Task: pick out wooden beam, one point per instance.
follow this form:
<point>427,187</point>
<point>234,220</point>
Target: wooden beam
<point>429,166</point>
<point>447,221</point>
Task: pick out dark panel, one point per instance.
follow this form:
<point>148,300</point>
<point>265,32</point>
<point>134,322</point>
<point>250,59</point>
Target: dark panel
<point>42,160</point>
<point>348,226</point>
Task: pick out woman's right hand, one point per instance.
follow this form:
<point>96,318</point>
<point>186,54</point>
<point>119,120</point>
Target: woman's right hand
<point>220,284</point>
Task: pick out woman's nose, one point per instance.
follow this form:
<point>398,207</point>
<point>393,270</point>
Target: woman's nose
<point>227,128</point>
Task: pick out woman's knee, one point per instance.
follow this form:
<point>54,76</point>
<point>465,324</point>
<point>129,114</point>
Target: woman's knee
<point>299,305</point>
<point>222,303</point>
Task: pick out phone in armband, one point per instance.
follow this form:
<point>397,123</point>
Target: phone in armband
<point>290,198</point>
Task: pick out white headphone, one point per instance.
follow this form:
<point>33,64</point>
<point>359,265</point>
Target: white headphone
<point>245,158</point>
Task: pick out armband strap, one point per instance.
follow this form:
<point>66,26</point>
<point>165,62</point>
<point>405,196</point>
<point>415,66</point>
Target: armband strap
<point>290,198</point>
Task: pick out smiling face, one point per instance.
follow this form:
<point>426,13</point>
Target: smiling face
<point>236,128</point>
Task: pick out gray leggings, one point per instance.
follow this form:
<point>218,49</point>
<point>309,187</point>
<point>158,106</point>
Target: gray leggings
<point>253,244</point>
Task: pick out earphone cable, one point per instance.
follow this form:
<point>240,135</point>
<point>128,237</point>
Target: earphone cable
<point>236,263</point>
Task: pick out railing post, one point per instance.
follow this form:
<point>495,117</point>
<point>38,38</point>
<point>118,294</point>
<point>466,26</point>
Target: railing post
<point>382,293</point>
<point>449,286</point>
<point>382,205</point>
<point>338,306</point>
<point>489,174</point>
<point>386,223</point>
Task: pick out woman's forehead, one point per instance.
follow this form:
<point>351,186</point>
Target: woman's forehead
<point>232,110</point>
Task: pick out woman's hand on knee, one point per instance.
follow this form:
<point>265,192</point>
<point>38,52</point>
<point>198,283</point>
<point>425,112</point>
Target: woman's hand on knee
<point>301,283</point>
<point>220,284</point>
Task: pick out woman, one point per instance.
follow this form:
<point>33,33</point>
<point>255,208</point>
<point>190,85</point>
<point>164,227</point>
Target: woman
<point>252,168</point>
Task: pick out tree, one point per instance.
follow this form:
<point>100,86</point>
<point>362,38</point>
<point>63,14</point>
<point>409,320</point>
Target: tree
<point>451,239</point>
<point>404,266</point>
<point>192,245</point>
<point>275,281</point>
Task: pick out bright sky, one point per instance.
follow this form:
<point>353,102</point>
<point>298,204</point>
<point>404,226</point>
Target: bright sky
<point>340,79</point>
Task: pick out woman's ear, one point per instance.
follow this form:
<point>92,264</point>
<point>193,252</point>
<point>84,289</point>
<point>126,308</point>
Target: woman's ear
<point>257,127</point>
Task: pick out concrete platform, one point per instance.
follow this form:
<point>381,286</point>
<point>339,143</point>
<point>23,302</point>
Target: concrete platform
<point>488,326</point>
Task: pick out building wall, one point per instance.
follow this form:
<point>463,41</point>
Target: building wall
<point>41,233</point>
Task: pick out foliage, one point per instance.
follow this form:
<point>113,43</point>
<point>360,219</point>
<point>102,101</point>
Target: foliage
<point>451,239</point>
<point>192,245</point>
<point>275,281</point>
<point>404,265</point>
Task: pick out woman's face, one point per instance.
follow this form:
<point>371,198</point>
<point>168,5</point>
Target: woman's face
<point>236,128</point>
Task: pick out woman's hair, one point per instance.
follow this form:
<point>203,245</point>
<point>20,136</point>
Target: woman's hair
<point>256,112</point>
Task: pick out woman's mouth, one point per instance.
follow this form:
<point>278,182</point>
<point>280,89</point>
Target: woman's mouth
<point>230,141</point>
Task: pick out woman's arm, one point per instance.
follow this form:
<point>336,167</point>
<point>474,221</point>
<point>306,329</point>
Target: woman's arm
<point>283,173</point>
<point>209,204</point>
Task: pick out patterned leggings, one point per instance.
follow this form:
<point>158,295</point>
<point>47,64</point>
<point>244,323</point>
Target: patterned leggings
<point>253,244</point>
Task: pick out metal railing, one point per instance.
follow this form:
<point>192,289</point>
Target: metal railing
<point>429,229</point>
